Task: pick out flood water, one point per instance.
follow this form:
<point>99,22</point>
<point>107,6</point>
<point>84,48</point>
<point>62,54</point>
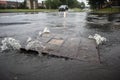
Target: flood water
<point>15,65</point>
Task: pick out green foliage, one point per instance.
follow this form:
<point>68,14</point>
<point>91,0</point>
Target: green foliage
<point>96,4</point>
<point>72,3</point>
<point>22,5</point>
<point>107,10</point>
<point>27,10</point>
<point>54,4</point>
<point>82,5</point>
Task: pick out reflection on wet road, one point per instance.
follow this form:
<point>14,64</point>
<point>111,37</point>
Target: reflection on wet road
<point>20,26</point>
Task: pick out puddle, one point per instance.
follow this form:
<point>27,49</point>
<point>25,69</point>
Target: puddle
<point>15,23</point>
<point>75,26</point>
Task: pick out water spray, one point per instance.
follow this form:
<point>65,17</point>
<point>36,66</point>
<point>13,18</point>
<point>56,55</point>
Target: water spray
<point>65,14</point>
<point>99,40</point>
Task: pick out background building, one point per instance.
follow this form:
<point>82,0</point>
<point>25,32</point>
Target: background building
<point>3,4</point>
<point>9,4</point>
<point>32,4</point>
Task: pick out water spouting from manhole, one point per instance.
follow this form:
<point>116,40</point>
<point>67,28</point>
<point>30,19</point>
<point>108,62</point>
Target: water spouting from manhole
<point>10,43</point>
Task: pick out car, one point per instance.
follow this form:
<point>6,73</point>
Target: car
<point>63,8</point>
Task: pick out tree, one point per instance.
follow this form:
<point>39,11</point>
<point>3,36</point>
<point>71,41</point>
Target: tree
<point>82,5</point>
<point>54,4</point>
<point>22,5</point>
<point>72,3</point>
<point>96,4</point>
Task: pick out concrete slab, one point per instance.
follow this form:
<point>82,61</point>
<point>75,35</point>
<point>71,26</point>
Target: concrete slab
<point>45,39</point>
<point>75,48</point>
<point>46,35</point>
<point>87,51</point>
<point>69,48</point>
<point>56,41</point>
<point>53,45</point>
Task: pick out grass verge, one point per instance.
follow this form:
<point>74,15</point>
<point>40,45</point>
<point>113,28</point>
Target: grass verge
<point>107,10</point>
<point>26,10</point>
<point>77,10</point>
<point>36,10</point>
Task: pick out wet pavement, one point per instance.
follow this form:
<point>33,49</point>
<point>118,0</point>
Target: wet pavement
<point>68,36</point>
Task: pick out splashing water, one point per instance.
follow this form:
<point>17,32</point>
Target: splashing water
<point>10,43</point>
<point>40,33</point>
<point>46,30</point>
<point>98,38</point>
<point>65,14</point>
<point>29,39</point>
<point>34,45</point>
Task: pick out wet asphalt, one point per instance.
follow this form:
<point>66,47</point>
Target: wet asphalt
<point>15,65</point>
